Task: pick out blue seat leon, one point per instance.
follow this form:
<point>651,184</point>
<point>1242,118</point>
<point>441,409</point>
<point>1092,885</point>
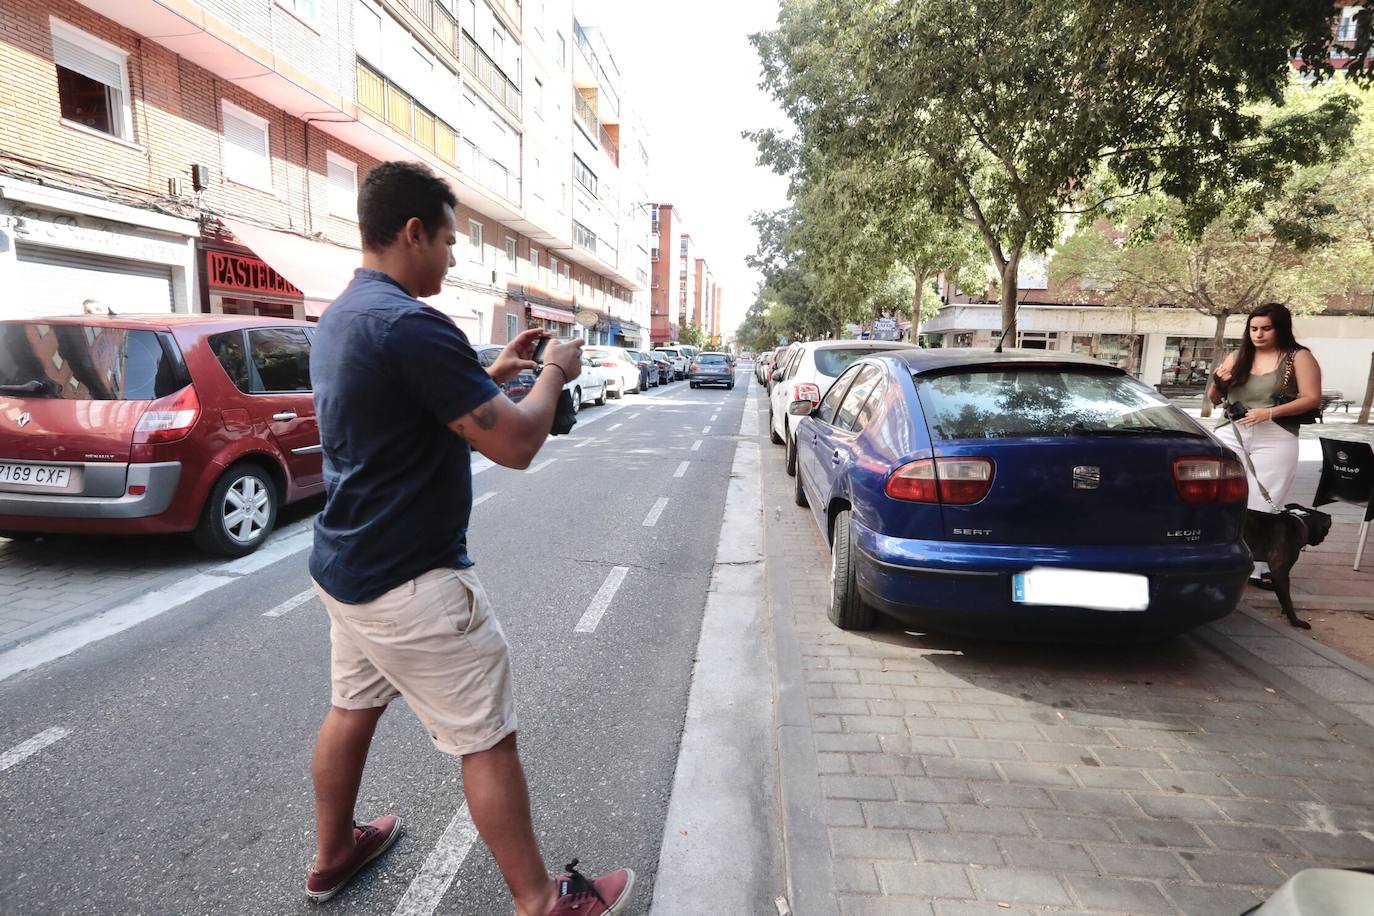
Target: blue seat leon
<point>1023,494</point>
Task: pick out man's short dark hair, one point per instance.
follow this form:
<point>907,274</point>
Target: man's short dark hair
<point>395,192</point>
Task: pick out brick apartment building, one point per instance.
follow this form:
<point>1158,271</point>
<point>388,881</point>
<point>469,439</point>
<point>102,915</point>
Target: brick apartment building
<point>665,282</point>
<point>204,155</point>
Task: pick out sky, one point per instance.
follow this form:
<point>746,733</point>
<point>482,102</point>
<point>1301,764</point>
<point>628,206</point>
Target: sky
<point>689,70</point>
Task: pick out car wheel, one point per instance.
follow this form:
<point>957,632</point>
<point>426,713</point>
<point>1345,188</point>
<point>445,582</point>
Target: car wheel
<point>730,387</point>
<point>798,492</point>
<point>577,400</point>
<point>847,608</point>
<point>240,513</point>
<point>601,401</point>
<point>791,455</point>
<point>692,385</point>
<point>20,535</point>
<point>773,436</point>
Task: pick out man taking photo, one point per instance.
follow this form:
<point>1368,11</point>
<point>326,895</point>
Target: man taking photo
<point>401,401</point>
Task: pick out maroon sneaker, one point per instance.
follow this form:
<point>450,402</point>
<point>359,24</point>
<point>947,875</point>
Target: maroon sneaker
<point>605,895</point>
<point>369,841</point>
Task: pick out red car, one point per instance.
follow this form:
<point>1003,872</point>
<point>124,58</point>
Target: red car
<point>149,425</point>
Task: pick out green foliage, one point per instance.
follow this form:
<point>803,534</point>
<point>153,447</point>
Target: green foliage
<point>692,335</point>
<point>999,115</point>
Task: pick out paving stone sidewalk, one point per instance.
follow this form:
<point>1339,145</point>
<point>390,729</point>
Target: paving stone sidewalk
<point>956,777</point>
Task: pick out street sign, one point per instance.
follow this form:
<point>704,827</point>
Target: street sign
<point>585,318</point>
<point>884,324</point>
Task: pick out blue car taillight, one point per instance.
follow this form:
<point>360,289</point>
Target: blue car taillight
<point>1210,480</point>
<point>953,481</point>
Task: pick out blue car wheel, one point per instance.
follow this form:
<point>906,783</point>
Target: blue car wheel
<point>847,608</point>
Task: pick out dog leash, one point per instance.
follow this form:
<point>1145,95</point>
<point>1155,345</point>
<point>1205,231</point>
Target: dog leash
<point>1245,453</point>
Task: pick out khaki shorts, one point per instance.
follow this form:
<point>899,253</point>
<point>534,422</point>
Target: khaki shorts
<point>435,642</point>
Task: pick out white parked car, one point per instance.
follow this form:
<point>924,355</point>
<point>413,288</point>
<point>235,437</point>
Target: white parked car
<point>620,369</point>
<point>808,370</point>
<point>590,385</point>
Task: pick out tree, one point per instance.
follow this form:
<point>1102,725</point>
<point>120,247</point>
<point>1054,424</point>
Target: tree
<point>1236,263</point>
<point>998,113</point>
<point>692,335</point>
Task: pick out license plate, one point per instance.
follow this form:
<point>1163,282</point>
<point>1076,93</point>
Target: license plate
<point>1102,591</point>
<point>35,475</point>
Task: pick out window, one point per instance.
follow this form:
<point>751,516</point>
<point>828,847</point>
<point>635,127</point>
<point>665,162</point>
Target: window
<point>832,399</point>
<point>538,97</point>
<point>1050,401</point>
<point>583,236</point>
<point>343,185</point>
<point>511,257</point>
<point>534,264</point>
<point>281,359</point>
<point>1349,29</point>
<point>228,349</point>
<point>653,254</point>
<point>247,159</point>
<point>512,328</point>
<point>475,240</point>
<point>856,396</point>
<point>584,176</point>
<point>560,49</point>
<point>871,405</point>
<point>76,363</point>
<point>92,82</point>
<point>302,8</point>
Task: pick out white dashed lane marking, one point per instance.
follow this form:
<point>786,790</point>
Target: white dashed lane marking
<point>435,876</point>
<point>602,600</point>
<point>611,429</point>
<point>681,469</point>
<point>541,465</point>
<point>290,604</point>
<point>652,518</point>
<point>696,445</point>
<point>585,442</point>
<point>483,498</point>
<point>26,749</point>
<point>705,430</point>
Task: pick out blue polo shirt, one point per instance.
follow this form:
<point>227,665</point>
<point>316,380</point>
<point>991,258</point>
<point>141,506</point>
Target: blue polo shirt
<point>389,374</point>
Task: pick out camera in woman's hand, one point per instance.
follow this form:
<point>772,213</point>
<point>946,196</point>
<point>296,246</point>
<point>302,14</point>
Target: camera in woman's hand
<point>1235,410</point>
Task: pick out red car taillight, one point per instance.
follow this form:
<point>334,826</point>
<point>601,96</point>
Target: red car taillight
<point>805,391</point>
<point>168,419</point>
<point>1210,480</point>
<point>606,364</point>
<point>953,481</point>
<point>693,367</point>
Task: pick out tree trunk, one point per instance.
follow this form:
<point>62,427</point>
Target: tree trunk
<point>916,305</point>
<point>1218,354</point>
<point>1368,395</point>
<point>1009,290</point>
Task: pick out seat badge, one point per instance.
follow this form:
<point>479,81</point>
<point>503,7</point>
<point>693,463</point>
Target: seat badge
<point>1087,477</point>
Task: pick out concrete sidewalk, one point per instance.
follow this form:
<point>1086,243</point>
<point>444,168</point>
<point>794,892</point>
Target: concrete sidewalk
<point>927,775</point>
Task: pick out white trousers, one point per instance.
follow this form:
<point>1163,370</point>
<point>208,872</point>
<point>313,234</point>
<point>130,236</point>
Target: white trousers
<point>1274,453</point>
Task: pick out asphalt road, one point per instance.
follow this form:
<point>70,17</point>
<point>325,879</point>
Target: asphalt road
<point>182,783</point>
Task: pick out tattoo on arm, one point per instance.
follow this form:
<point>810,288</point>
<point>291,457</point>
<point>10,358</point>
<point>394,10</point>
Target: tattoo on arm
<point>485,416</point>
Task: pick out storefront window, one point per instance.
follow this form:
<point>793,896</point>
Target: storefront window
<point>1187,361</point>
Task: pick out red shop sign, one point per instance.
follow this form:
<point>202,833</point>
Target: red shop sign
<point>242,272</point>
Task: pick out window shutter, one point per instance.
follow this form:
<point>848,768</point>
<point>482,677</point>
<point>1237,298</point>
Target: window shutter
<point>245,151</point>
<point>89,64</point>
<point>343,191</point>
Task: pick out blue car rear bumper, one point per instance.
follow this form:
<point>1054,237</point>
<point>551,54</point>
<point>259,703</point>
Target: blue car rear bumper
<point>967,588</point>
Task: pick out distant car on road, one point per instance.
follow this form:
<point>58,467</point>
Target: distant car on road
<point>149,425</point>
<point>679,360</point>
<point>1020,494</point>
<point>648,370</point>
<point>588,388</point>
<point>711,369</point>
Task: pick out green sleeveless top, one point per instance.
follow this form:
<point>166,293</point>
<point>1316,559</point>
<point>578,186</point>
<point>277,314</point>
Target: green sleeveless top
<point>1260,389</point>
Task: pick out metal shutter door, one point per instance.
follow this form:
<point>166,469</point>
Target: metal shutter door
<point>55,282</point>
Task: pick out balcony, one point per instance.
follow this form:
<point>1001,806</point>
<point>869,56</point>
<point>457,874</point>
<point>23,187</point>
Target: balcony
<point>389,103</point>
<point>586,114</point>
<point>591,124</point>
<point>477,62</point>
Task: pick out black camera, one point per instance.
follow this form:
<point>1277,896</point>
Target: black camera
<point>565,414</point>
<point>1234,410</point>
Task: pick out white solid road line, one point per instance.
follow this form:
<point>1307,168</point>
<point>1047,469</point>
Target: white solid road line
<point>483,498</point>
<point>602,600</point>
<point>681,469</point>
<point>696,446</point>
<point>439,870</point>
<point>290,604</point>
<point>541,465</point>
<point>652,518</point>
<point>26,749</point>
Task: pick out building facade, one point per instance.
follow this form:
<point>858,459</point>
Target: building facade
<point>205,155</point>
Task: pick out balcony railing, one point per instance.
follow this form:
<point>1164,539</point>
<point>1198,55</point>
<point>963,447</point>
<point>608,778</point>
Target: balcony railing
<point>477,62</point>
<point>609,145</point>
<point>586,113</point>
<point>512,8</point>
<point>393,105</point>
<point>480,65</point>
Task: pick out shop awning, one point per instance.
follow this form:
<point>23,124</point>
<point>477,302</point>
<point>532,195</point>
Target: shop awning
<point>318,269</point>
<point>551,314</point>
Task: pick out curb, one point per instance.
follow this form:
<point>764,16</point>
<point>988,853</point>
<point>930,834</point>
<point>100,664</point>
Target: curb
<point>1332,655</point>
<point>809,872</point>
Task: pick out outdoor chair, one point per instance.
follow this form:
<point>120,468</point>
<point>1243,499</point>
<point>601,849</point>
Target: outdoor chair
<point>1348,476</point>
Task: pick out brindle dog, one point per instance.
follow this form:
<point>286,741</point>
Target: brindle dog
<point>1278,539</point>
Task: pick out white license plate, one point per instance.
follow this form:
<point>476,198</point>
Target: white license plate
<point>1102,591</point>
<point>35,475</point>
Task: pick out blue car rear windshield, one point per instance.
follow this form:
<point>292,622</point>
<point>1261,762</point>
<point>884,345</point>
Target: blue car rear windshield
<point>832,362</point>
<point>711,359</point>
<point>1007,402</point>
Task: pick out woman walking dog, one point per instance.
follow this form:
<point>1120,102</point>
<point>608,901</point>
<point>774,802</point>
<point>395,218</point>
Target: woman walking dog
<point>1268,386</point>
